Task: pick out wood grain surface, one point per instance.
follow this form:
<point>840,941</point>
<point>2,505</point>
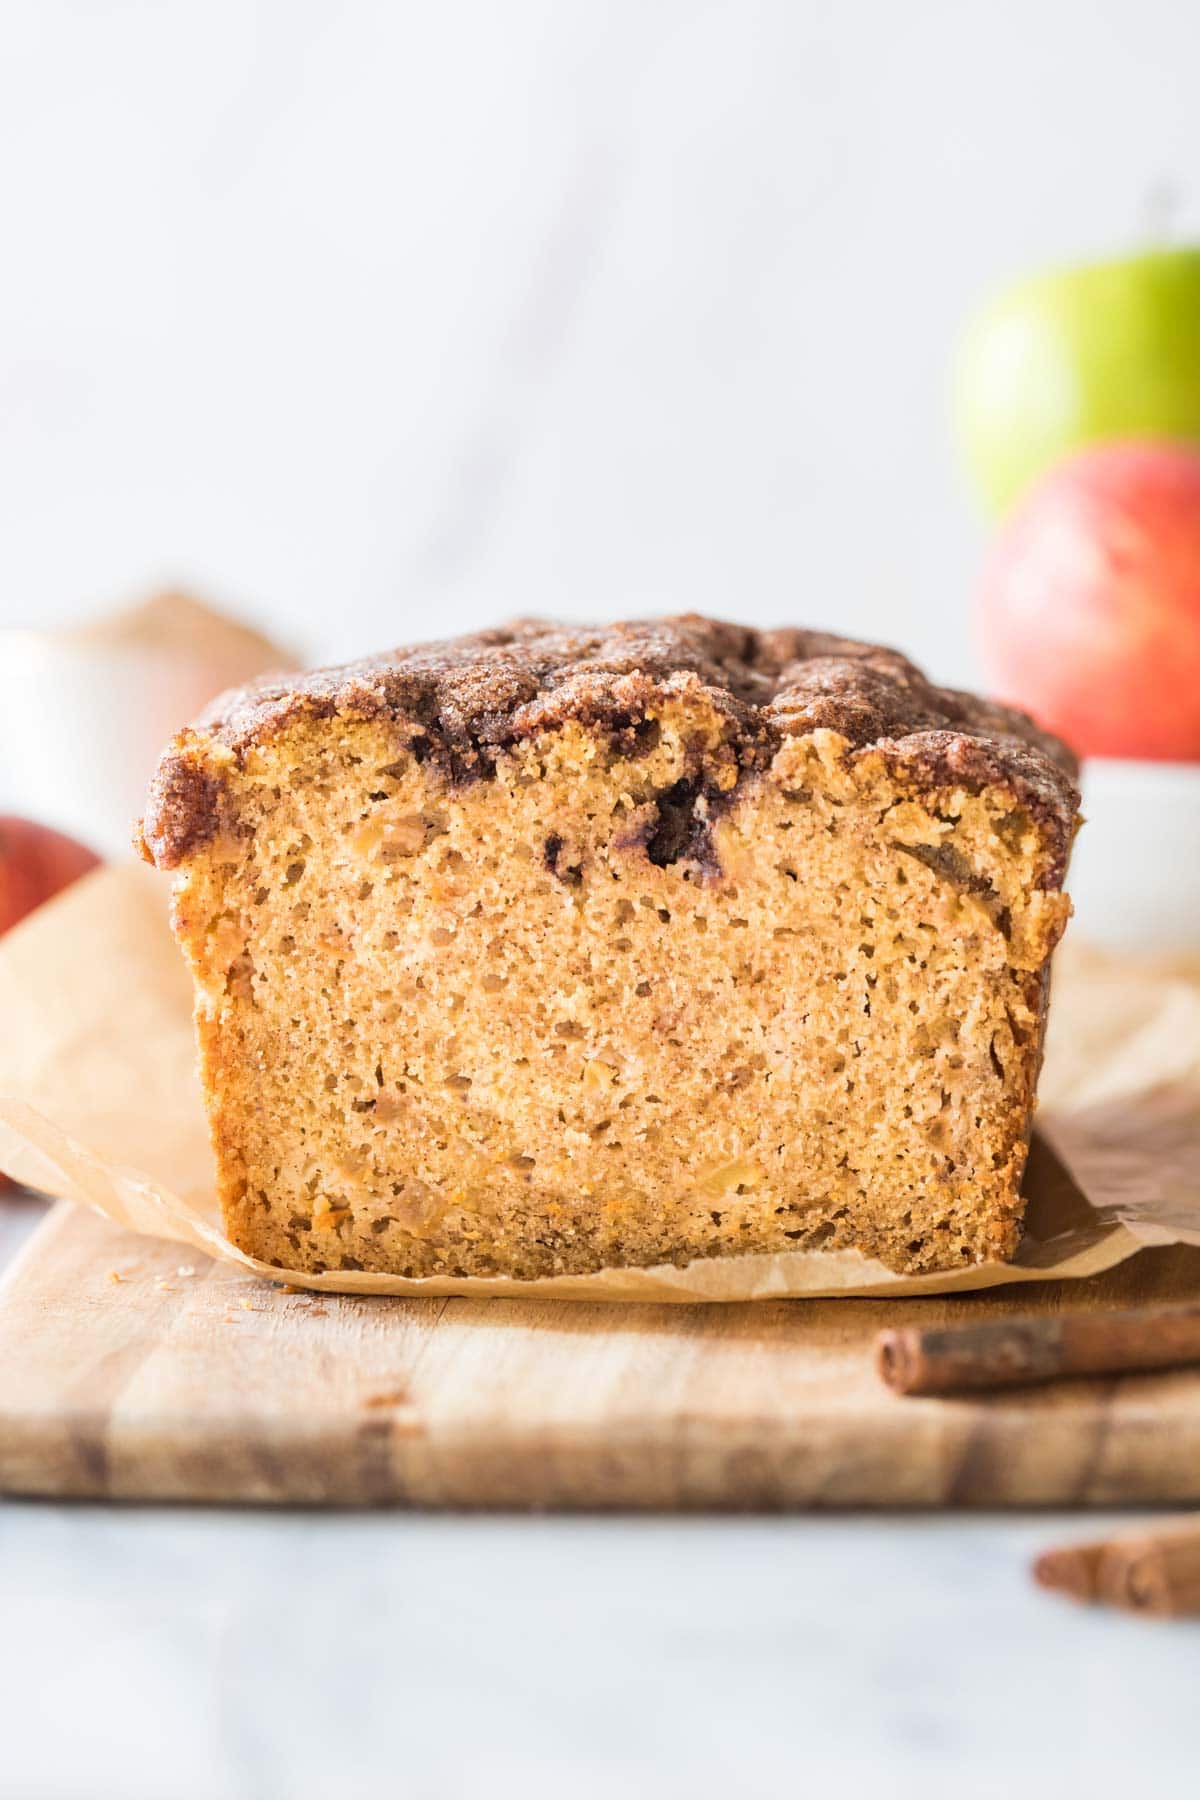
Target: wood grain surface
<point>131,1371</point>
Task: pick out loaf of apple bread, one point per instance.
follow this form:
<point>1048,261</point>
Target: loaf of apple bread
<point>554,949</point>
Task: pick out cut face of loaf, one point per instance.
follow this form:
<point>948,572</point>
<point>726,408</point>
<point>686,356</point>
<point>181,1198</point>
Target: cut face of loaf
<point>639,990</point>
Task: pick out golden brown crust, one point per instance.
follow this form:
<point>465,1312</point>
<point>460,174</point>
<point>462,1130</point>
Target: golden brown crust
<point>462,702</point>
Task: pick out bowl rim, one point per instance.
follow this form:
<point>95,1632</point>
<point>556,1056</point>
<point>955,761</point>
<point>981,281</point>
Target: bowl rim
<point>1130,770</point>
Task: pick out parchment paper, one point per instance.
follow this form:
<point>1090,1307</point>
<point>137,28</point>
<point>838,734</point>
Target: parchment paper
<point>100,1103</point>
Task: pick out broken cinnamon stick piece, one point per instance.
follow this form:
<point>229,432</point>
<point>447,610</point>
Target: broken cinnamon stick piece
<point>1008,1352</point>
<point>1155,1571</point>
<point>1072,1569</point>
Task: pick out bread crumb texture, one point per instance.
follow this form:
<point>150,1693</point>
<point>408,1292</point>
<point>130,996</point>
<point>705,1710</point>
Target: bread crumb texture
<point>665,970</point>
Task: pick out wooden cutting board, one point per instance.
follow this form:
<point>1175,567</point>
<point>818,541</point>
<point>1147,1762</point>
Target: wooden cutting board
<point>128,1372</point>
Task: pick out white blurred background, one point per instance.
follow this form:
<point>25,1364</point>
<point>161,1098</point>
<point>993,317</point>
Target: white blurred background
<point>382,320</point>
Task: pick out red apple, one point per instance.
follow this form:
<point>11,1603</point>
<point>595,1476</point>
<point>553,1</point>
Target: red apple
<point>35,863</point>
<point>1090,604</point>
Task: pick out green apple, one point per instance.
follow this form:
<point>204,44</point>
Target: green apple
<point>1074,357</point>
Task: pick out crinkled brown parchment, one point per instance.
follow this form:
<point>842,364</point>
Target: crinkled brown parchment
<point>99,1103</point>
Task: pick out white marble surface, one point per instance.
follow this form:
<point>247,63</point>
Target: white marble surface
<point>180,1654</point>
<point>153,1655</point>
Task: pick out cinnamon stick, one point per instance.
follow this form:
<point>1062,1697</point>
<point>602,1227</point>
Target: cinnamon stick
<point>1155,1571</point>
<point>1037,1347</point>
<point>1072,1569</point>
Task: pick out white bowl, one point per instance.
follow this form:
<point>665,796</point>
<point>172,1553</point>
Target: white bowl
<point>85,711</point>
<point>81,728</point>
<point>1135,870</point>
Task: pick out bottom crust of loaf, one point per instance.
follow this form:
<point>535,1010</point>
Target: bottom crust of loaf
<point>586,1014</point>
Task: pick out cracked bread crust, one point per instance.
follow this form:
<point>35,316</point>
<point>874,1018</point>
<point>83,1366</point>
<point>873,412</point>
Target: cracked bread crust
<point>461,702</point>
